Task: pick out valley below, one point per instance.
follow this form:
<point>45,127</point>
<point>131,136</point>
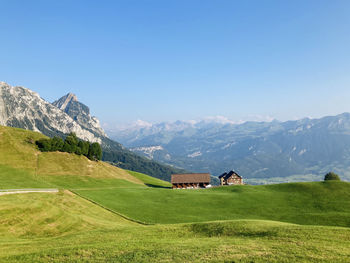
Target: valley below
<point>261,152</point>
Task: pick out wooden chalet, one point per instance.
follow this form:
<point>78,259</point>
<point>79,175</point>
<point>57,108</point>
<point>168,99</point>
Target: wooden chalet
<point>196,180</point>
<point>230,178</point>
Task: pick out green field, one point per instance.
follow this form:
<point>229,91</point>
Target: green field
<point>65,228</point>
<point>317,203</point>
<point>87,221</point>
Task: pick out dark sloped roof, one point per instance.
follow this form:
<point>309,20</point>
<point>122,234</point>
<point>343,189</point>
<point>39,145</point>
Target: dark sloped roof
<point>190,178</point>
<point>222,175</point>
<point>229,174</point>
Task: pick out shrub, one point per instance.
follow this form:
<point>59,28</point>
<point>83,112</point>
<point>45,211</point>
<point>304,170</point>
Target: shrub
<point>331,176</point>
<point>44,145</point>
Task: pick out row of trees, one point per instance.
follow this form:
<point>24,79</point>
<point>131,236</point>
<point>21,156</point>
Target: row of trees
<point>71,144</point>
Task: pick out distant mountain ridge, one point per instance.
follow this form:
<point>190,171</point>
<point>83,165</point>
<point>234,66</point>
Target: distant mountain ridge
<point>23,108</point>
<point>262,152</point>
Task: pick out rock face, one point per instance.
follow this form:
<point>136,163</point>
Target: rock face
<point>79,112</point>
<point>23,108</point>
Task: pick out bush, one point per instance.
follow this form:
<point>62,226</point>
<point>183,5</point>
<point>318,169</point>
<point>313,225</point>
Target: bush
<point>331,176</point>
<point>44,145</point>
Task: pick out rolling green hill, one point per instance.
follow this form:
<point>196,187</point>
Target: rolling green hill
<point>23,165</point>
<point>65,228</point>
<point>317,203</point>
<point>87,220</point>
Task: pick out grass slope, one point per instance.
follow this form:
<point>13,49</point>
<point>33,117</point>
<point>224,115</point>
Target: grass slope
<point>64,228</point>
<point>11,178</point>
<point>150,181</point>
<point>51,214</point>
<point>317,203</point>
<point>23,165</point>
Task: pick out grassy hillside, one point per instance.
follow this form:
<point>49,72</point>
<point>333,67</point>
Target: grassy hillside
<point>127,193</point>
<point>18,178</point>
<point>150,181</point>
<point>23,165</point>
<point>318,203</point>
<point>51,214</point>
<point>64,227</point>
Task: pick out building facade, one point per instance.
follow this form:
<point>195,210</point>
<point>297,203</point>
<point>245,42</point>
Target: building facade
<point>196,180</point>
<point>231,178</point>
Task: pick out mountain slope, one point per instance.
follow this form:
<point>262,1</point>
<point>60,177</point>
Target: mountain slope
<point>79,112</point>
<point>23,108</point>
<point>23,165</point>
<point>261,152</point>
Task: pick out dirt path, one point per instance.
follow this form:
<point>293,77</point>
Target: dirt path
<point>25,191</point>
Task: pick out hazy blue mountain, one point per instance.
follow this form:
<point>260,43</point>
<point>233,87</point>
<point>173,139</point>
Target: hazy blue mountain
<point>260,151</point>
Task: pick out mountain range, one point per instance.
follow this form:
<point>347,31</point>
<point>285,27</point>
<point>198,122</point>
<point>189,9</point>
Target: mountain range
<point>23,108</point>
<point>262,152</point>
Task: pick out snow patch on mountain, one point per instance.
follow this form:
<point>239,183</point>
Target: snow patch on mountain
<point>302,152</point>
<point>148,151</point>
<point>195,154</point>
<point>228,145</point>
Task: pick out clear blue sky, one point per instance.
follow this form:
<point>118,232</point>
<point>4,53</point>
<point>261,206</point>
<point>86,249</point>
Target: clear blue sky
<point>168,60</point>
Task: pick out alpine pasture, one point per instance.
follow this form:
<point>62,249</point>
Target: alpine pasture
<point>105,214</point>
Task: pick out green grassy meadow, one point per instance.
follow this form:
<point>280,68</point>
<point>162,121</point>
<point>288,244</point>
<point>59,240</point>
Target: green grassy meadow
<point>317,203</point>
<point>87,220</point>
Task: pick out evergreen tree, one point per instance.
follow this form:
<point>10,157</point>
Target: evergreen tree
<point>57,144</point>
<point>84,147</point>
<point>71,143</point>
<point>78,150</point>
<point>95,152</point>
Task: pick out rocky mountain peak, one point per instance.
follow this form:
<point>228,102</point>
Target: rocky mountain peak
<point>63,102</point>
<point>23,108</point>
<point>80,113</point>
